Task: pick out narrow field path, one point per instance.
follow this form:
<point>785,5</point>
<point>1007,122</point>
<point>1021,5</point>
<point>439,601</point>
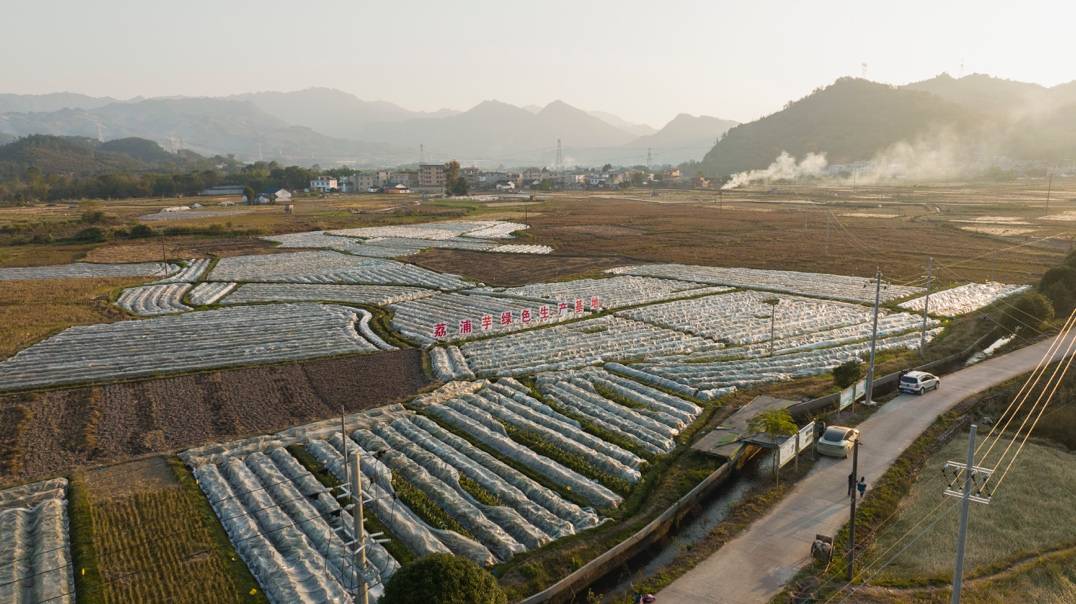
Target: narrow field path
<point>757,564</point>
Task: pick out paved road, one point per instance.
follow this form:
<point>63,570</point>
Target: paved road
<point>757,564</point>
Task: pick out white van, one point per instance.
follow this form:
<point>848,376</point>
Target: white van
<point>918,382</point>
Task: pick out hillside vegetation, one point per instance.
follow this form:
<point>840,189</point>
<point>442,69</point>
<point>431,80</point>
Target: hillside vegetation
<point>848,120</point>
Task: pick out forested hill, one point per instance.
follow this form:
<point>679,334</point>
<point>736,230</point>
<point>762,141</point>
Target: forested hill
<point>849,120</point>
<point>81,156</point>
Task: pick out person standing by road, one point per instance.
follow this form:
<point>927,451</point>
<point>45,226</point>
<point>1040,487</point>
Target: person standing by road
<point>862,486</point>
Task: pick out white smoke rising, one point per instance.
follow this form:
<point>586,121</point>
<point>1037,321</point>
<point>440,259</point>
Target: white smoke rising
<point>937,155</point>
<point>785,167</point>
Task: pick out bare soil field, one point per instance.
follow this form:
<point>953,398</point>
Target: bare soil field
<point>49,432</point>
<point>183,248</point>
<point>32,310</point>
<point>804,237</point>
<point>508,270</point>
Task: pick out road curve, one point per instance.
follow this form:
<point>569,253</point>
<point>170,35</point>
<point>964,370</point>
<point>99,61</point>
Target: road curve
<point>754,566</point>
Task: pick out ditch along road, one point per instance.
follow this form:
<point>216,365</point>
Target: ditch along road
<point>756,565</point>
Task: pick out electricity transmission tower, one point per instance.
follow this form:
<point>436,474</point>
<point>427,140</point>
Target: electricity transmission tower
<point>559,163</point>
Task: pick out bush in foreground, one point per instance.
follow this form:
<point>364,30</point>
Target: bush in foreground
<point>443,579</point>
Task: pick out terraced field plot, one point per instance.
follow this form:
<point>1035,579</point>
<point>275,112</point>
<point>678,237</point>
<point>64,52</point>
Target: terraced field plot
<point>447,479</point>
<point>88,270</point>
<point>964,298</point>
<point>406,240</point>
<point>379,295</point>
<point>835,287</point>
<point>216,338</point>
<point>612,292</point>
<point>576,345</point>
<point>329,267</point>
<point>35,552</point>
<point>148,300</point>
<point>484,315</point>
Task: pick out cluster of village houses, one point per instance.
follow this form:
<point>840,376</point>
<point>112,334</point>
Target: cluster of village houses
<point>431,178</point>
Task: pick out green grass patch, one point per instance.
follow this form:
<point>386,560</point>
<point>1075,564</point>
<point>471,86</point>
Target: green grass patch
<point>88,582</point>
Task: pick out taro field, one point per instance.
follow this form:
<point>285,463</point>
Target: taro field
<point>486,470</point>
<point>35,550</point>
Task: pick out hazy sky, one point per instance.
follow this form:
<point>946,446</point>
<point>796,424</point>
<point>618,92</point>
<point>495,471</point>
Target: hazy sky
<point>645,61</point>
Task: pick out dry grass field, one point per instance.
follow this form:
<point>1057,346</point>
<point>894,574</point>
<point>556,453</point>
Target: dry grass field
<point>144,534</point>
<point>1030,515</point>
<point>32,310</point>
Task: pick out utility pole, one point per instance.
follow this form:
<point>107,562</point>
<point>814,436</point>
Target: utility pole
<point>869,399</point>
<point>926,305</point>
<point>852,514</point>
<point>773,318</point>
<point>972,475</point>
<point>358,530</point>
<point>1049,189</point>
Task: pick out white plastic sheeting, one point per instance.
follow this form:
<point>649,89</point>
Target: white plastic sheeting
<point>88,270</point>
<point>212,338</point>
<point>149,300</point>
<point>379,295</point>
<point>515,248</point>
<point>415,320</point>
<point>322,240</point>
<point>479,413</point>
<point>35,552</point>
<point>612,292</point>
<point>204,294</point>
<point>194,271</point>
<point>654,422</point>
<point>449,364</point>
<point>713,378</point>
<point>329,267</point>
<point>743,317</point>
<point>288,528</point>
<point>819,285</point>
<point>480,229</point>
<point>575,345</point>
<point>964,299</point>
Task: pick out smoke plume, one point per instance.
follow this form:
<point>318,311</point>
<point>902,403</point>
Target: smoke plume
<point>785,167</point>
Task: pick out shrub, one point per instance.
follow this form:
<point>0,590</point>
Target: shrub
<point>846,374</point>
<point>1059,285</point>
<point>91,235</point>
<point>1030,309</point>
<point>443,579</point>
<point>140,231</point>
<point>93,217</point>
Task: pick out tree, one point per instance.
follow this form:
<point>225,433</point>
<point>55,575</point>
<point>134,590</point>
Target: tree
<point>443,579</point>
<point>773,423</point>
<point>1059,285</point>
<point>455,184</point>
<point>1030,309</point>
<point>248,192</point>
<point>846,374</point>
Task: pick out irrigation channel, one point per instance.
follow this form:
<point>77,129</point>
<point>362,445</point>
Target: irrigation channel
<point>621,581</point>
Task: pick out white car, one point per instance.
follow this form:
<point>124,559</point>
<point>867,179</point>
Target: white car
<point>918,382</point>
<point>837,441</point>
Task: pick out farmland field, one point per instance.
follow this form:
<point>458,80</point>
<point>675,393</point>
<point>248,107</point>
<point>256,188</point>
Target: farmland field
<point>48,432</point>
<point>572,370</point>
<point>153,540</point>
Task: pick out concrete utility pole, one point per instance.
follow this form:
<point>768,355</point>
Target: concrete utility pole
<point>358,530</point>
<point>926,304</point>
<point>1049,189</point>
<point>958,571</point>
<point>852,513</point>
<point>869,398</point>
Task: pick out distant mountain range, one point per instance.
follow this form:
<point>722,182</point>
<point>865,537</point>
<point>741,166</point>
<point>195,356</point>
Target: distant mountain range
<point>853,120</point>
<point>330,127</point>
